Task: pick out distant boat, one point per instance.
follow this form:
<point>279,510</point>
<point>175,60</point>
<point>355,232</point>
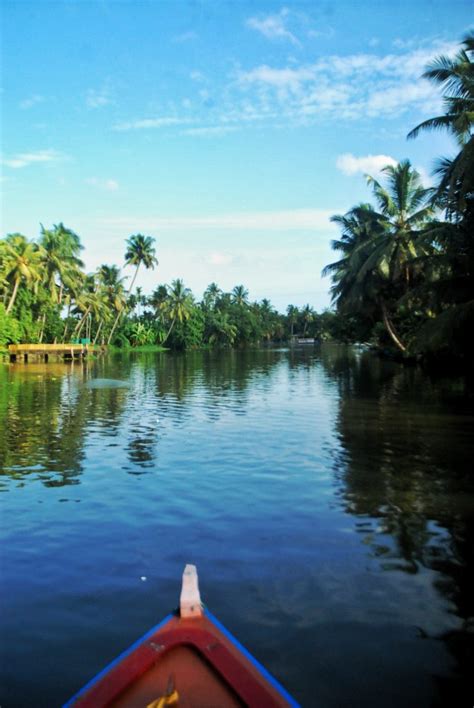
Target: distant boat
<point>303,340</point>
<point>189,659</point>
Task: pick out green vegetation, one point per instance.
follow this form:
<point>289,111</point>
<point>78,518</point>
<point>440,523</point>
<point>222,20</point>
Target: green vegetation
<point>407,264</point>
<point>45,296</point>
<point>404,279</point>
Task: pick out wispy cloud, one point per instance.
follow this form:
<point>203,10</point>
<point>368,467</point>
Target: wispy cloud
<point>273,26</point>
<point>210,131</point>
<point>31,101</point>
<point>24,159</point>
<point>354,86</point>
<point>185,37</point>
<point>106,185</point>
<point>284,220</point>
<point>97,99</point>
<point>369,164</point>
<point>148,123</point>
<point>218,258</point>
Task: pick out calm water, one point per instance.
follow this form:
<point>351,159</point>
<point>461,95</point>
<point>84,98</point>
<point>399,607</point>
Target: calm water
<point>326,497</point>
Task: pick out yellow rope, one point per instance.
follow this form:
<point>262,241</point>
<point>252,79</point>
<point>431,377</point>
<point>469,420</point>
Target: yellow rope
<point>169,700</point>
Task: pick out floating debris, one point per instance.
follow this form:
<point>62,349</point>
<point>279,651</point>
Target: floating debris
<point>107,383</point>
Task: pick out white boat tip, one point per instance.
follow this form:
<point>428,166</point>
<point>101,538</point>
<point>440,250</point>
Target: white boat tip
<point>190,600</point>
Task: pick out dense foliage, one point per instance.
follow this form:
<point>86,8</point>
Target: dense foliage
<point>407,263</point>
<point>45,296</point>
<point>404,278</point>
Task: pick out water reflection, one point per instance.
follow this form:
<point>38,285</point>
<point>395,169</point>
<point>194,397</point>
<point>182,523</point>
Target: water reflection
<point>259,454</point>
<point>405,474</point>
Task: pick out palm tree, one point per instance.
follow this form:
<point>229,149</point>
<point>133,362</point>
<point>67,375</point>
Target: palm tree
<point>60,248</point>
<point>405,208</point>
<point>158,296</point>
<point>140,249</point>
<point>240,295</point>
<point>456,77</point>
<point>112,289</point>
<point>222,329</point>
<point>360,278</point>
<point>452,260</point>
<point>211,295</point>
<point>308,316</point>
<point>292,313</point>
<point>178,304</point>
<point>21,263</point>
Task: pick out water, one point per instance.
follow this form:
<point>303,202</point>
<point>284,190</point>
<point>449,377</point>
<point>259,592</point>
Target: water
<point>326,497</point>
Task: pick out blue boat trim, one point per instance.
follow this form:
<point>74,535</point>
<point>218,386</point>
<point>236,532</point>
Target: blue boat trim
<point>116,661</point>
<point>266,674</point>
<point>260,668</point>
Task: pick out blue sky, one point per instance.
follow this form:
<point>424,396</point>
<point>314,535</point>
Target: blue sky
<point>229,131</point>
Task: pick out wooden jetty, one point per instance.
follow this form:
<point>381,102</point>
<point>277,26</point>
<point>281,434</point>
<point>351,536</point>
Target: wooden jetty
<point>43,352</point>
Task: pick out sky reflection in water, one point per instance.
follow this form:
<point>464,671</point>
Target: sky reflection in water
<point>326,497</point>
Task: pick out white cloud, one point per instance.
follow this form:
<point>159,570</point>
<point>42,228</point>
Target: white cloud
<point>354,86</point>
<point>273,26</point>
<point>369,164</point>
<point>106,185</point>
<point>97,99</point>
<point>147,123</point>
<point>286,78</point>
<point>31,101</point>
<point>185,37</point>
<point>24,159</point>
<point>197,75</point>
<point>210,131</point>
<point>284,220</point>
<point>220,259</point>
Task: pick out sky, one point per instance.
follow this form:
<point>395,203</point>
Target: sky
<point>230,131</point>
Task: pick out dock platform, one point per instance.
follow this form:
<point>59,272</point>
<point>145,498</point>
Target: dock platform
<point>43,352</point>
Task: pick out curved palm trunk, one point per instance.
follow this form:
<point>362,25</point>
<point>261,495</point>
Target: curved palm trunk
<point>98,331</point>
<point>43,320</point>
<point>114,326</point>
<point>390,329</point>
<point>13,297</point>
<point>169,331</point>
<point>79,326</point>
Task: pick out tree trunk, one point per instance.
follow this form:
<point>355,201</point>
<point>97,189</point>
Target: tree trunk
<point>78,328</point>
<point>390,328</point>
<point>13,297</point>
<point>169,331</point>
<point>119,314</point>
<point>120,311</point>
<point>43,320</point>
<point>98,331</point>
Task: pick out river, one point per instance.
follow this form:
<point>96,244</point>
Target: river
<point>326,496</point>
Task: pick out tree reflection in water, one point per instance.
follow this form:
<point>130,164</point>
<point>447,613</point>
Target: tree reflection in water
<point>409,488</point>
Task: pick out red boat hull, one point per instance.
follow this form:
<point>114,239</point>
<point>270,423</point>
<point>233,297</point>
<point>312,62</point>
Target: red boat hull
<point>204,664</point>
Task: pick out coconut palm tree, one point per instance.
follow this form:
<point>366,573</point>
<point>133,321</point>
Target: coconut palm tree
<point>361,278</point>
<point>292,314</point>
<point>452,260</point>
<point>140,250</point>
<point>177,306</point>
<point>456,78</point>
<point>60,248</point>
<point>240,295</point>
<point>405,209</point>
<point>112,289</point>
<point>21,263</point>
<point>211,295</point>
